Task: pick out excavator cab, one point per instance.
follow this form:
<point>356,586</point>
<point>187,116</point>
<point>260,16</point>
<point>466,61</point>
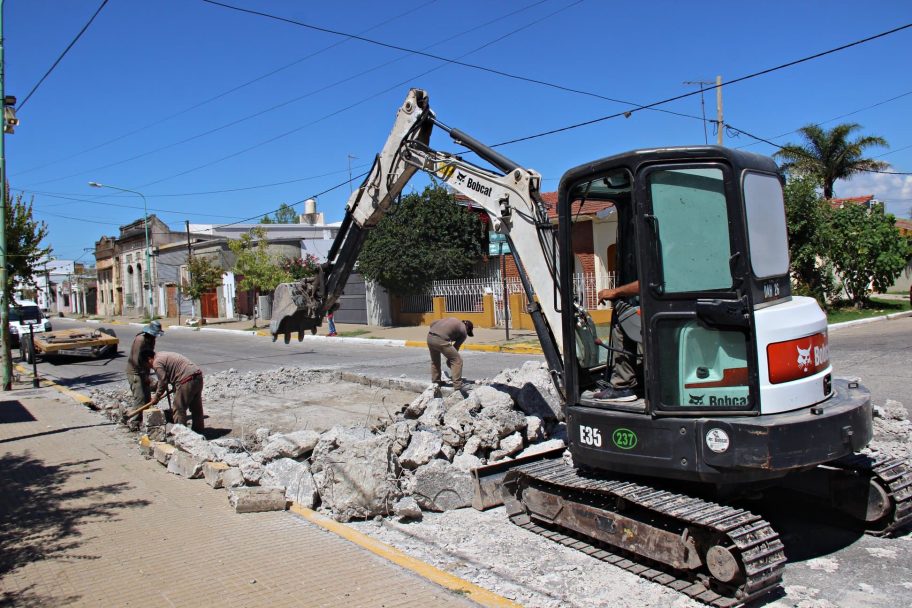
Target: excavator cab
<point>726,345</point>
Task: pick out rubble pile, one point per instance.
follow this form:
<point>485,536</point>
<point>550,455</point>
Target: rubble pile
<point>892,430</point>
<point>420,458</point>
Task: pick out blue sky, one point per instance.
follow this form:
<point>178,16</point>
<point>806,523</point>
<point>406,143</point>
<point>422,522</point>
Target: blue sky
<point>216,115</point>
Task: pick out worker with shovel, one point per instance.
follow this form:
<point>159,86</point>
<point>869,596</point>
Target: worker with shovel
<point>187,380</point>
<point>138,375</point>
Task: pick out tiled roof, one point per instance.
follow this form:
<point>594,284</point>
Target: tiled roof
<point>838,203</point>
<point>590,208</point>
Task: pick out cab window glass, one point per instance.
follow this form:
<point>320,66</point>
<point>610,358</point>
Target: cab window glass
<point>691,222</point>
<point>765,209</point>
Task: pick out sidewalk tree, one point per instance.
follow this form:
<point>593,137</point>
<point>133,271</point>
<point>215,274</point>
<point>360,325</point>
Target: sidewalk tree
<point>425,237</point>
<point>205,275</point>
<point>258,269</point>
<point>867,250</point>
<point>829,155</point>
<point>807,220</point>
<point>25,256</point>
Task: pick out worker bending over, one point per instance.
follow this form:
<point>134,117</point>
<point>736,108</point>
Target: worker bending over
<point>444,338</point>
<point>186,378</point>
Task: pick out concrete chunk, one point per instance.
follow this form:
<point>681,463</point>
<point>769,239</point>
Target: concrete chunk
<point>153,417</point>
<point>186,465</point>
<point>294,478</point>
<point>213,472</point>
<point>163,451</point>
<point>145,446</point>
<point>439,486</point>
<point>423,446</point>
<point>232,478</point>
<point>256,499</point>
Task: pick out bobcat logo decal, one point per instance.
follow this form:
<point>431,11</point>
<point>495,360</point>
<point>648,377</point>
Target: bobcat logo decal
<point>696,399</point>
<point>804,358</point>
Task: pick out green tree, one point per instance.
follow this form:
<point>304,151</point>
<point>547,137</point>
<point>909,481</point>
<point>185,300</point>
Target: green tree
<point>285,214</point>
<point>807,217</point>
<point>866,250</point>
<point>259,269</point>
<point>25,257</point>
<point>205,275</point>
<point>829,155</point>
<point>426,237</point>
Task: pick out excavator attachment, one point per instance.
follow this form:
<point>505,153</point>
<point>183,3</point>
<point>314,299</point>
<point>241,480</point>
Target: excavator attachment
<point>297,307</point>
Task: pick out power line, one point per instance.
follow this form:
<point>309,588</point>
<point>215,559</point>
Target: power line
<point>91,202</point>
<point>701,90</point>
<point>249,117</point>
<point>444,59</point>
<point>65,51</point>
<point>172,115</point>
<point>352,105</point>
<point>823,122</point>
<point>327,191</point>
<point>775,145</point>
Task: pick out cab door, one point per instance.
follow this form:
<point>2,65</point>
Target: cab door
<point>699,344</point>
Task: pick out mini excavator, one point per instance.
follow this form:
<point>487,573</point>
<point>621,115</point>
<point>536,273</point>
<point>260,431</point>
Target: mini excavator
<point>737,393</point>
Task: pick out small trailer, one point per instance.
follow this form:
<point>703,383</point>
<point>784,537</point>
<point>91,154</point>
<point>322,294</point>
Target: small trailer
<point>81,342</point>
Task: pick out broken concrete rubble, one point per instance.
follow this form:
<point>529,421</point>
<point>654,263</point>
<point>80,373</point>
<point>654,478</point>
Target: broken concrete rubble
<point>423,446</point>
<point>294,478</point>
<point>185,465</point>
<point>356,477</point>
<point>256,499</point>
<point>439,486</point>
<point>213,473</point>
<point>425,449</point>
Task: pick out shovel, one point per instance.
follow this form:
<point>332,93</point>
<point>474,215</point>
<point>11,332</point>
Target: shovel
<point>130,415</point>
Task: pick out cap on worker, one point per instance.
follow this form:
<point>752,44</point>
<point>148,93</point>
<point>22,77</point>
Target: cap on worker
<point>154,329</point>
<point>469,327</point>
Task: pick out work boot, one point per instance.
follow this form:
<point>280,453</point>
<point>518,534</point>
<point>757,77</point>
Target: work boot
<point>615,395</point>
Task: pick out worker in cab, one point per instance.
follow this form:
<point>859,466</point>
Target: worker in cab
<point>444,338</point>
<point>623,380</point>
<point>137,375</point>
<point>186,380</point>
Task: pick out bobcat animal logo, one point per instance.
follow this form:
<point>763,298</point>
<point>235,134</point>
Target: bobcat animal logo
<point>696,399</point>
<point>804,358</point>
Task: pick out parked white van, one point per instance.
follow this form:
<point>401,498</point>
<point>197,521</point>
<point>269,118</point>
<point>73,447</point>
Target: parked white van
<point>25,313</point>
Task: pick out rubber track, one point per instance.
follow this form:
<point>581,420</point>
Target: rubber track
<point>762,553</point>
<point>895,476</point>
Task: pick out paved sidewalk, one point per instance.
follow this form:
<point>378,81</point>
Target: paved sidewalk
<point>87,521</point>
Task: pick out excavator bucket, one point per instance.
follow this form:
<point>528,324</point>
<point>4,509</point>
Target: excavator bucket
<point>297,307</point>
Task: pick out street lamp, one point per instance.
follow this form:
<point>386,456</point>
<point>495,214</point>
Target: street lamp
<point>146,226</point>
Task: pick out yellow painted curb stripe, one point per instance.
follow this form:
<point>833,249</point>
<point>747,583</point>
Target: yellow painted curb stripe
<point>433,574</point>
<point>489,348</point>
<point>66,391</point>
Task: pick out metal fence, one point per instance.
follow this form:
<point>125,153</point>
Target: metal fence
<point>467,295</point>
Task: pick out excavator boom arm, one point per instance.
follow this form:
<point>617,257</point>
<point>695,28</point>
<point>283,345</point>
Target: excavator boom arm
<point>511,200</point>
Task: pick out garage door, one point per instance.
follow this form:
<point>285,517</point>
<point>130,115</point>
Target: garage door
<point>353,303</point>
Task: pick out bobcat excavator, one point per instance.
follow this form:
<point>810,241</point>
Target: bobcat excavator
<point>737,392</point>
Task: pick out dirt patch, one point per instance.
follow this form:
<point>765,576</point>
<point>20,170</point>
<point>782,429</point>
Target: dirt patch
<point>316,406</point>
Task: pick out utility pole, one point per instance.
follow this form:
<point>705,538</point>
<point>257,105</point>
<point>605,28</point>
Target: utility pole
<point>701,84</point>
<point>7,362</point>
<point>189,276</point>
<point>720,123</point>
<point>350,187</point>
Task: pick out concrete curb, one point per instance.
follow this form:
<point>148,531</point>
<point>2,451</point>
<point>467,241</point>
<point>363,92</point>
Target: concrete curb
<point>75,396</point>
<point>436,575</point>
<point>890,317</point>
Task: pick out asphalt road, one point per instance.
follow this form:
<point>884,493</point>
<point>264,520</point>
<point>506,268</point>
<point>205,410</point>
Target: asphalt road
<point>217,351</point>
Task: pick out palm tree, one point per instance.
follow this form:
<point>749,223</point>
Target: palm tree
<point>829,155</point>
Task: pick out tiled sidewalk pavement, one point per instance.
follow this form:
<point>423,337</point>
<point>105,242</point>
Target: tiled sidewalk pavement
<point>86,521</point>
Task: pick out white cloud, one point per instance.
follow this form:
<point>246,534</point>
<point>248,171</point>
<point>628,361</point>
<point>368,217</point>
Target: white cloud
<point>894,190</point>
